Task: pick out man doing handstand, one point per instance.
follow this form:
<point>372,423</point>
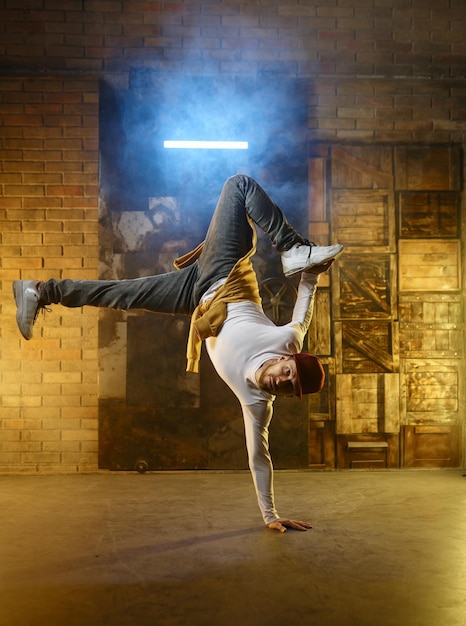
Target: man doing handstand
<point>216,285</point>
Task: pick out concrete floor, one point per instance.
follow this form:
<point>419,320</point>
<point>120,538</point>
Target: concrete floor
<point>172,549</point>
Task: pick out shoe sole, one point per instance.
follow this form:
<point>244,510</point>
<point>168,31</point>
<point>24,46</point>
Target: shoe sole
<point>299,268</point>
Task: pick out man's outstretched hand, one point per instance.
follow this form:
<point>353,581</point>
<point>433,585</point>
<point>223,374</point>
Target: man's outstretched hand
<point>282,524</point>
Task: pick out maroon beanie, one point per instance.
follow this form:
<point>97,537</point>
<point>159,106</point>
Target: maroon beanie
<point>311,375</point>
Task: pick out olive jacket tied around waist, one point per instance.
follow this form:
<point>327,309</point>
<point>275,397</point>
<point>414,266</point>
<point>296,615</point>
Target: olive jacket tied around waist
<point>208,317</point>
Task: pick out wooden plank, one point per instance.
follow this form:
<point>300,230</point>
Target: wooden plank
<point>338,343</point>
<point>428,247</point>
<point>362,343</point>
<point>363,445</point>
<point>363,218</point>
<point>347,213</point>
<point>428,282</point>
<point>319,334</point>
<point>431,389</point>
<point>391,404</point>
<point>432,446</point>
<point>362,166</point>
<point>366,287</point>
<point>321,445</point>
<point>343,406</point>
<point>318,232</point>
<point>371,404</point>
<point>361,231</point>
<point>436,312</point>
<point>380,333</point>
<point>366,396</point>
<point>418,340</point>
<point>429,214</point>
<point>432,429</point>
<point>369,463</point>
<point>426,265</point>
<point>436,265</point>
<point>368,200</point>
<point>431,308</point>
<point>316,445</point>
<point>427,168</point>
<point>321,405</point>
<point>395,345</point>
<point>372,287</point>
<point>361,425</point>
<point>317,201</point>
<point>433,406</point>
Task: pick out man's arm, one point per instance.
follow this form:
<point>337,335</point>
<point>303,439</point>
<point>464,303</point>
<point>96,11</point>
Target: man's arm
<point>256,424</point>
<point>257,419</point>
<point>304,305</point>
<point>302,316</point>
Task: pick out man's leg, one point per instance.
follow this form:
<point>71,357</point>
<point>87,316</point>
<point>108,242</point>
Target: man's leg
<point>227,240</point>
<point>229,236</point>
<point>164,293</point>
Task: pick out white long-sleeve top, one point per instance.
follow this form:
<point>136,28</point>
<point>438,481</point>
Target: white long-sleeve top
<point>246,340</point>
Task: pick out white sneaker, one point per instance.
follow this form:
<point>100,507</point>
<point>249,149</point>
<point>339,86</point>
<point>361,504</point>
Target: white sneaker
<point>301,257</point>
<point>27,303</point>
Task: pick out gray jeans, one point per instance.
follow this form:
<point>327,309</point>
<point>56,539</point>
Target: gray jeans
<point>228,238</point>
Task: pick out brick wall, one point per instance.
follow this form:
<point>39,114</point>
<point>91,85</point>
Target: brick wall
<point>390,38</point>
<point>48,227</point>
<point>379,70</point>
<point>389,70</point>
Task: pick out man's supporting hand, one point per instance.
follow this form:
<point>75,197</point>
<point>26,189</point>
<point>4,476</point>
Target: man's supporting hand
<point>282,524</point>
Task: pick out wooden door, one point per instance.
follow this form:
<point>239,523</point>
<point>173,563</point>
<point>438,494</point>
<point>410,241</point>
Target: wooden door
<point>397,314</point>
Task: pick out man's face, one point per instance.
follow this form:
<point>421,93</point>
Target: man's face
<point>279,377</point>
